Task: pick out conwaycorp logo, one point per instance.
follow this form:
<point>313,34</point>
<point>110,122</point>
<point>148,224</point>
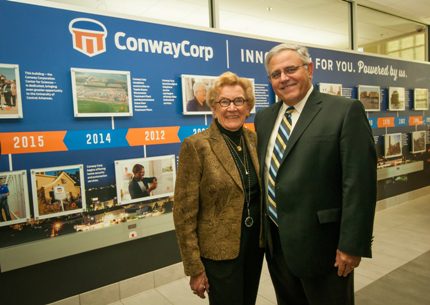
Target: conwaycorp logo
<point>175,49</point>
<point>89,36</point>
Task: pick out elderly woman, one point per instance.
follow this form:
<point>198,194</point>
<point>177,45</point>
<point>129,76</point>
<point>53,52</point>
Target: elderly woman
<point>217,200</point>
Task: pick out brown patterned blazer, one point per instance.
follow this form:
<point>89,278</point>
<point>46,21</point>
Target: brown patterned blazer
<point>209,198</point>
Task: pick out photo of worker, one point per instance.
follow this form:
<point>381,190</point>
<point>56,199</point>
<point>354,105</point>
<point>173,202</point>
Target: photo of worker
<point>58,191</point>
<point>14,203</point>
<point>101,93</point>
<point>10,92</point>
<point>150,178</point>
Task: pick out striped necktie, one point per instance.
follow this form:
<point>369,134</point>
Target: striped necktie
<point>277,155</point>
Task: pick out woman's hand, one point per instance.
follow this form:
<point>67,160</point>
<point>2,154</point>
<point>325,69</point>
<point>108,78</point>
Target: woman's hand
<point>199,284</point>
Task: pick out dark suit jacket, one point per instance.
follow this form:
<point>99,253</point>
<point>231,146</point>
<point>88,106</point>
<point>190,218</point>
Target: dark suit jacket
<point>209,198</point>
<point>326,183</point>
<point>135,190</point>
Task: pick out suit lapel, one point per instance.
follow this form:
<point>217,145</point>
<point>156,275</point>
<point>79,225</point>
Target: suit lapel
<point>250,145</point>
<point>312,107</point>
<point>221,151</point>
<point>268,122</point>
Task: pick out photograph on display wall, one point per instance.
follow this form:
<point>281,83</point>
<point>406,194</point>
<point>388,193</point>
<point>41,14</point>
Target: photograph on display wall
<point>101,93</point>
<point>14,203</point>
<point>370,97</point>
<point>144,179</point>
<point>58,191</point>
<point>194,90</point>
<point>419,141</point>
<point>396,99</point>
<point>392,145</point>
<point>421,99</point>
<point>329,88</point>
<point>10,92</point>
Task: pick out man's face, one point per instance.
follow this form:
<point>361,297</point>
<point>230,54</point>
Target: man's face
<point>200,95</point>
<point>139,175</point>
<point>290,86</point>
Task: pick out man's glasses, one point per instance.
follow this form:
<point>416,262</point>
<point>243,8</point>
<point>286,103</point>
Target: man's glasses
<point>287,71</point>
<point>225,102</point>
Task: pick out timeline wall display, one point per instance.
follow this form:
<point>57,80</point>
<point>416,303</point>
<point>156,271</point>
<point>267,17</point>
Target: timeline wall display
<point>100,94</point>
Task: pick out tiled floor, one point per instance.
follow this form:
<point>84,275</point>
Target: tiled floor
<point>402,233</point>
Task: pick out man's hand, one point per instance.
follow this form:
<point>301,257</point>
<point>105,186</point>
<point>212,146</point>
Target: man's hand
<point>199,284</point>
<point>345,263</point>
<point>153,185</point>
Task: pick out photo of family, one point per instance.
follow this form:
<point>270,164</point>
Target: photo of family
<point>101,93</point>
<point>14,204</point>
<point>58,191</point>
<point>10,92</point>
<point>144,179</point>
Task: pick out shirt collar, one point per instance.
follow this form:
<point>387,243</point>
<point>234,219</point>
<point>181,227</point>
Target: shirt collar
<point>301,104</point>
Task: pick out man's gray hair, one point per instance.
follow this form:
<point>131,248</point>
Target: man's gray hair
<point>301,50</point>
<point>198,85</point>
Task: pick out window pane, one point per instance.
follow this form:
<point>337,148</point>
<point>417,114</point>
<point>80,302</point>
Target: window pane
<point>407,42</point>
<point>393,45</point>
<point>389,35</point>
<point>303,21</point>
<point>407,54</point>
<point>419,53</point>
<point>420,39</point>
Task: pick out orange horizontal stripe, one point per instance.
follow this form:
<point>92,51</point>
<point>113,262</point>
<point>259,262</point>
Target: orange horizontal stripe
<point>386,122</point>
<point>415,120</point>
<point>32,142</point>
<point>154,135</point>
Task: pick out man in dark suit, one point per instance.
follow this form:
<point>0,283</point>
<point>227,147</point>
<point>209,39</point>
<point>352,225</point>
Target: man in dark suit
<point>141,186</point>
<point>320,217</point>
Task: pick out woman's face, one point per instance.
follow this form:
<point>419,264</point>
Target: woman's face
<point>231,117</point>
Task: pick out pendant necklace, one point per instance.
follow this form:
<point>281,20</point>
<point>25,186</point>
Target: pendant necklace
<point>233,144</point>
<point>249,221</point>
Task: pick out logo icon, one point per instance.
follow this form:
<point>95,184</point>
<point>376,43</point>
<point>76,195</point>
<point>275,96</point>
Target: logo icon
<point>89,36</point>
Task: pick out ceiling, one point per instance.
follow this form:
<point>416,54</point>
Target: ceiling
<point>317,22</point>
<point>418,10</point>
